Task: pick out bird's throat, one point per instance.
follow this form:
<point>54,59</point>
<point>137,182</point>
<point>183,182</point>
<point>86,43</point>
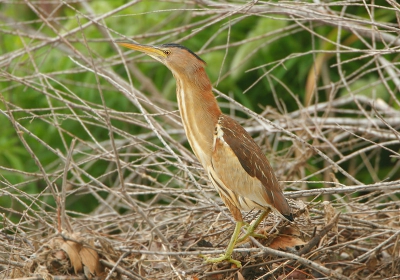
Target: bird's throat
<point>200,112</point>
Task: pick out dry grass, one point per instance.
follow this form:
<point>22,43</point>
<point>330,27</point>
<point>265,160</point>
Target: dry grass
<point>156,211</point>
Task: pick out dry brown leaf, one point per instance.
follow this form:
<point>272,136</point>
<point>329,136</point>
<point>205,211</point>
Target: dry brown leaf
<point>87,273</point>
<point>286,241</point>
<point>289,230</point>
<point>72,249</point>
<point>91,260</point>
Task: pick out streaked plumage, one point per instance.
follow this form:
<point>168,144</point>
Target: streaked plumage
<point>235,164</point>
<point>234,152</point>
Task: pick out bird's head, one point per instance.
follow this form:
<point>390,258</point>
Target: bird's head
<point>177,58</point>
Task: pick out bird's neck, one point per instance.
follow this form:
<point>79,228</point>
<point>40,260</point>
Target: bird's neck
<point>199,111</point>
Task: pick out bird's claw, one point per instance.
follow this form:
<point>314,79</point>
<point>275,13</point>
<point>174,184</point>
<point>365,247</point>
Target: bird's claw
<point>225,257</point>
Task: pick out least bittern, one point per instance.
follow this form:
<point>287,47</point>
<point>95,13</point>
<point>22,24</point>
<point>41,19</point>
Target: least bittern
<point>235,164</point>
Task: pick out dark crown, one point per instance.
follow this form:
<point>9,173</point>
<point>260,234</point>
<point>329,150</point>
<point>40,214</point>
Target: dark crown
<point>173,45</point>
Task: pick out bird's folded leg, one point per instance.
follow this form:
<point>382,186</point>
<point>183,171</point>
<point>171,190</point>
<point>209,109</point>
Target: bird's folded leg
<point>228,253</point>
<point>253,226</point>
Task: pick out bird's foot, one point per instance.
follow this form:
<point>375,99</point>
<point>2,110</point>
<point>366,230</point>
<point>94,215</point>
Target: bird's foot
<point>250,232</point>
<point>250,228</point>
<point>228,253</point>
<point>224,257</point>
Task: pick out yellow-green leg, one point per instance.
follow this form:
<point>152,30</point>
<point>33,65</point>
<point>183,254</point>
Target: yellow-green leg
<point>253,226</point>
<point>228,253</point>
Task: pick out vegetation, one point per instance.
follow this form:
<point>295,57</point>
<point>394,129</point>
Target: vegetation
<point>92,149</point>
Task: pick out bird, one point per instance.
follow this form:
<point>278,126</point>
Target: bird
<point>234,163</point>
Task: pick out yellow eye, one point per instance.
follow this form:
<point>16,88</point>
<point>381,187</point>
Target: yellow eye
<point>167,52</point>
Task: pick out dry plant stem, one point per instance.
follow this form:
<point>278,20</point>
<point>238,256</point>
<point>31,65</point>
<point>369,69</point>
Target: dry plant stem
<point>377,248</point>
<point>349,244</point>
<point>121,270</point>
<point>395,132</point>
<point>342,189</point>
<point>337,103</point>
<point>153,226</point>
<point>192,253</point>
<point>64,218</point>
<point>56,152</point>
<point>12,263</point>
<point>28,148</point>
<point>341,73</point>
<point>373,144</point>
<point>108,122</point>
<point>114,267</point>
<point>362,222</point>
<point>144,81</point>
<point>316,239</point>
<point>346,158</point>
<point>208,274</point>
<point>36,159</point>
<point>308,263</point>
<point>311,13</point>
<point>224,15</point>
<point>70,50</point>
<point>389,68</point>
<point>54,277</point>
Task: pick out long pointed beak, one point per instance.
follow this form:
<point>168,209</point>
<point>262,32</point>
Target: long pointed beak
<point>147,49</point>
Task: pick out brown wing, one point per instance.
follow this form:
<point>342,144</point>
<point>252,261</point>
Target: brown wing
<point>254,162</point>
